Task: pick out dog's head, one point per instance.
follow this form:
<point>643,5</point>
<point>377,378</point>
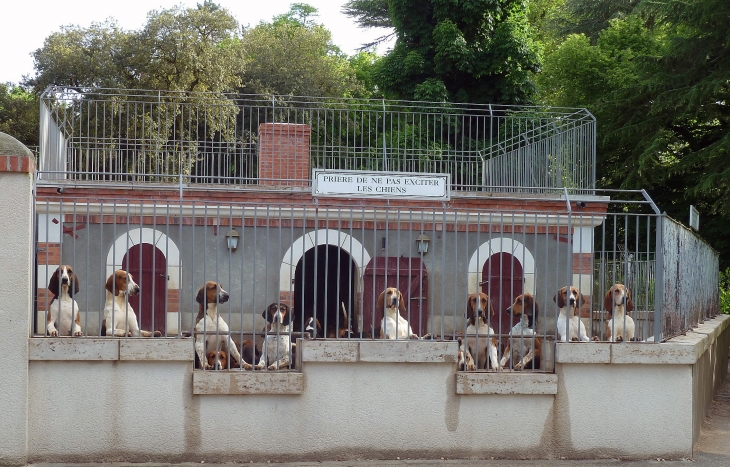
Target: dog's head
<point>618,295</point>
<point>217,359</point>
<point>121,282</point>
<point>63,277</point>
<point>477,307</point>
<point>313,327</point>
<point>524,304</point>
<point>278,314</point>
<point>390,298</point>
<point>211,292</point>
<point>564,298</point>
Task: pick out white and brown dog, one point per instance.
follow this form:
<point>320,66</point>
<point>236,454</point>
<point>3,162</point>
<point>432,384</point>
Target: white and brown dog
<point>618,303</point>
<point>277,348</point>
<point>570,303</point>
<point>524,346</point>
<point>480,342</point>
<point>211,330</point>
<point>117,309</point>
<point>393,325</point>
<point>63,315</point>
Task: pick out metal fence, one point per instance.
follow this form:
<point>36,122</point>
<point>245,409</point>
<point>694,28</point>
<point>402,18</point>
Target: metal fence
<point>163,137</point>
<point>325,270</point>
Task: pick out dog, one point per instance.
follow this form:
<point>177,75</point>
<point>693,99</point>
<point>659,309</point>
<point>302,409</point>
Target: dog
<point>276,351</point>
<point>524,346</point>
<point>393,325</point>
<point>211,330</point>
<point>577,331</point>
<point>313,327</point>
<point>217,360</point>
<point>118,311</point>
<point>465,360</point>
<point>345,328</point>
<point>63,311</point>
<point>485,346</point>
<point>618,303</point>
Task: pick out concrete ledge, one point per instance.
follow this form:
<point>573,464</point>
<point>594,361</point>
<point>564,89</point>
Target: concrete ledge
<point>680,350</point>
<point>329,351</point>
<point>156,349</point>
<point>408,351</point>
<point>73,348</point>
<point>506,383</point>
<point>582,352</point>
<point>247,382</point>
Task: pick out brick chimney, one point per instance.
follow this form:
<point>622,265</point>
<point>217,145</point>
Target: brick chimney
<point>284,154</point>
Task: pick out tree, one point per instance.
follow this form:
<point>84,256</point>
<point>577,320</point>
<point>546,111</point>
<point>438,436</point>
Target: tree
<point>19,114</point>
<point>657,81</point>
<point>293,55</point>
<point>193,49</point>
<point>370,14</point>
<point>477,51</point>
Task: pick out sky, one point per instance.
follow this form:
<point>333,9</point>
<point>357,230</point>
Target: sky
<point>24,25</point>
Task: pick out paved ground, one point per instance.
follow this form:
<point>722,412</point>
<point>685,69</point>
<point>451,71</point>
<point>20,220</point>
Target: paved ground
<point>713,450</point>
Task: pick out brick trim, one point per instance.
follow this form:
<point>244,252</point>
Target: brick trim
<point>22,164</point>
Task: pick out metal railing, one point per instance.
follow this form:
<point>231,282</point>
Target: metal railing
<point>331,263</point>
<point>133,136</point>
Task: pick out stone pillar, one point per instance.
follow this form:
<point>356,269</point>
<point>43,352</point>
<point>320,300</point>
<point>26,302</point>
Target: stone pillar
<point>17,169</point>
<point>284,154</point>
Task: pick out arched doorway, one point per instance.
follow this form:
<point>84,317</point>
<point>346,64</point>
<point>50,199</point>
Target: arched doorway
<point>324,279</point>
<point>502,280</point>
<point>148,267</point>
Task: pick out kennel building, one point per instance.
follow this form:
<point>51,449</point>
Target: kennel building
<point>182,188</point>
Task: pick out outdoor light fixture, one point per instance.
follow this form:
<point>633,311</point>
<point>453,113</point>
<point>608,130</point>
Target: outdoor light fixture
<point>422,244</point>
<point>232,240</point>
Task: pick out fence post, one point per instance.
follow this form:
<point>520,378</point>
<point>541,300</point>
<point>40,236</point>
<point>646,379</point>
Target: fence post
<point>659,280</point>
<point>17,170</point>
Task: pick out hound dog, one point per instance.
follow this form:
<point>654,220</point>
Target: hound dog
<point>313,327</point>
<point>485,345</point>
<point>570,301</point>
<point>618,303</point>
<point>63,310</point>
<point>217,360</point>
<point>393,325</point>
<point>211,331</point>
<point>345,328</point>
<point>117,309</point>
<point>277,348</point>
<point>524,346</point>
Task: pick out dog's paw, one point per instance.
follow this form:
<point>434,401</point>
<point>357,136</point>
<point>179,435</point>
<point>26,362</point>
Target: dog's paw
<point>471,367</point>
<point>426,336</point>
<point>260,366</point>
<point>595,339</point>
<point>53,333</point>
<point>208,367</point>
<point>414,336</point>
<point>619,339</point>
<point>78,333</point>
<point>518,367</point>
<point>158,333</point>
<point>574,339</point>
<point>247,366</point>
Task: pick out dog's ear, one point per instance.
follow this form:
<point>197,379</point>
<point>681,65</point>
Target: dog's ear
<point>559,299</point>
<point>266,314</point>
<point>75,288</point>
<point>110,283</point>
<point>53,283</point>
<point>629,301</point>
<point>469,308</point>
<point>491,308</point>
<point>200,298</point>
<point>608,301</point>
<point>380,304</point>
<point>401,304</point>
<point>289,318</point>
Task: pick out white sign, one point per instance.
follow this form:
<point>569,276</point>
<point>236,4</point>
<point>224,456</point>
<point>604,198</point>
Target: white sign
<point>694,218</point>
<point>393,185</point>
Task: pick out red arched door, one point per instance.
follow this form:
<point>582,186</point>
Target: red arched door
<point>148,267</point>
<point>502,280</point>
<point>409,275</point>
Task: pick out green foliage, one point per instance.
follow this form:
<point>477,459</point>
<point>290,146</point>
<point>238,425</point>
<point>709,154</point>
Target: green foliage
<point>725,291</point>
<point>19,114</point>
<point>477,51</point>
<point>294,56</point>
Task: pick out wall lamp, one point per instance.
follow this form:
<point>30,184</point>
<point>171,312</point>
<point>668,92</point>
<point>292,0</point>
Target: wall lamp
<point>232,240</point>
<point>422,244</point>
